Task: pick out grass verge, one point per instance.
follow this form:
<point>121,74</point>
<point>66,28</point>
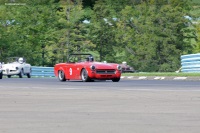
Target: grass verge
<point>162,74</point>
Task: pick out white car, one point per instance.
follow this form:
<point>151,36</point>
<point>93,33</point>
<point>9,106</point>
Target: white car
<point>16,66</point>
<point>1,72</point>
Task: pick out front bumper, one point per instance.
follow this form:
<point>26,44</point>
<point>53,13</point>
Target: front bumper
<point>104,76</point>
<point>10,72</point>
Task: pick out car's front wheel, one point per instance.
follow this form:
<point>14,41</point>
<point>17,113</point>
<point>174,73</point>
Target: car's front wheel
<point>61,76</point>
<point>1,75</point>
<point>84,76</point>
<point>9,76</point>
<point>116,79</point>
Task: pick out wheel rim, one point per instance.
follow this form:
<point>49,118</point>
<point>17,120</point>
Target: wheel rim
<point>84,75</point>
<point>61,75</point>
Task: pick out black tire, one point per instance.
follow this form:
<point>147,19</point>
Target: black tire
<point>61,76</point>
<point>1,75</point>
<point>21,74</point>
<point>28,75</point>
<point>84,76</point>
<point>9,76</point>
<point>116,79</point>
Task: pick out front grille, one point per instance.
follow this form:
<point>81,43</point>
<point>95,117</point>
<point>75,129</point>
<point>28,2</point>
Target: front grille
<point>105,71</point>
<point>106,76</point>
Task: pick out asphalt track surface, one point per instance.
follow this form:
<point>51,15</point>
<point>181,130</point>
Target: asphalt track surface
<point>45,105</point>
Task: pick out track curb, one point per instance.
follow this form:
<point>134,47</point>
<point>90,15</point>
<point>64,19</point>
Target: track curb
<point>160,78</point>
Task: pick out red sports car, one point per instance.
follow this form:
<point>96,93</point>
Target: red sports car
<point>83,67</point>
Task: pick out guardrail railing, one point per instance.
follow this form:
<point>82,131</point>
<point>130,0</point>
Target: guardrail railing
<point>42,71</point>
<point>190,63</point>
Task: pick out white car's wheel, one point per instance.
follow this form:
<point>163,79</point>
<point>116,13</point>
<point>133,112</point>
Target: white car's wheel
<point>61,76</point>
<point>28,75</point>
<point>1,75</point>
<point>9,76</point>
<point>21,74</point>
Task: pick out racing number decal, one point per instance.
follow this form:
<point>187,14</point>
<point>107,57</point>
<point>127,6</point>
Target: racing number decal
<point>70,71</point>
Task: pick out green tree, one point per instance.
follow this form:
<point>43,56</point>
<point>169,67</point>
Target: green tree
<point>194,28</point>
<point>102,31</point>
<point>71,31</point>
<point>153,33</point>
<point>33,25</point>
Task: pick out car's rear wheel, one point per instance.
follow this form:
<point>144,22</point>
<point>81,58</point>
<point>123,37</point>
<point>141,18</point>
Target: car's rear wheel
<point>116,79</point>
<point>21,74</point>
<point>9,76</point>
<point>84,76</point>
<point>1,75</point>
<point>28,75</point>
<point>61,75</point>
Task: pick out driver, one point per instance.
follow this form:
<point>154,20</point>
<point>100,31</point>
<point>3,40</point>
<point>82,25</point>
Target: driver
<point>90,59</point>
<point>20,60</point>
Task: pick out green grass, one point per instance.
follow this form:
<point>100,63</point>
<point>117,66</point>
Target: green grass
<point>162,74</point>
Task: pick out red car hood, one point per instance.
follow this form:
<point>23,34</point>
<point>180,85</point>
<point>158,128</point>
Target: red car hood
<point>100,65</point>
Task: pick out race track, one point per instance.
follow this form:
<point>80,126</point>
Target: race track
<point>45,105</point>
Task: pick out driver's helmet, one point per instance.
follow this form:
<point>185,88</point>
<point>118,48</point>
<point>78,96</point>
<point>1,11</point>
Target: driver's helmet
<point>90,59</point>
<point>20,60</point>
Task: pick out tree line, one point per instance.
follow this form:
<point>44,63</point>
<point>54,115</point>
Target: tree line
<point>149,35</point>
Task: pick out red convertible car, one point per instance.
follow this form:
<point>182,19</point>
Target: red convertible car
<point>83,67</point>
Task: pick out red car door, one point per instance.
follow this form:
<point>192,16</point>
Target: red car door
<point>71,71</point>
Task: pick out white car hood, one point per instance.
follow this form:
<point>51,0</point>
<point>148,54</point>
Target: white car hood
<point>10,66</point>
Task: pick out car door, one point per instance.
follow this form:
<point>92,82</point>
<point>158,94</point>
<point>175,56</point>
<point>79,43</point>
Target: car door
<point>71,71</point>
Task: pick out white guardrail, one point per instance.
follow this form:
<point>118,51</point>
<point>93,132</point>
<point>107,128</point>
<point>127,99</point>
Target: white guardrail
<point>190,63</point>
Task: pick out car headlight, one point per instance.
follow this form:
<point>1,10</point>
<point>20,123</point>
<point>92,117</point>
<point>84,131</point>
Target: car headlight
<point>92,67</point>
<point>119,67</point>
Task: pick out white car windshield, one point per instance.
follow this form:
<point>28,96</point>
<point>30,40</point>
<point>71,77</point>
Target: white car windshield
<point>15,60</point>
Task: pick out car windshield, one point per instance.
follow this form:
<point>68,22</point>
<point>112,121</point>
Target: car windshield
<point>79,58</point>
<point>12,59</point>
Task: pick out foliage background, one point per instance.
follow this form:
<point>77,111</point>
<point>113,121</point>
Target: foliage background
<point>149,35</point>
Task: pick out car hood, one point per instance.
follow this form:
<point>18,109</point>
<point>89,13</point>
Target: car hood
<point>10,66</point>
<point>100,65</point>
